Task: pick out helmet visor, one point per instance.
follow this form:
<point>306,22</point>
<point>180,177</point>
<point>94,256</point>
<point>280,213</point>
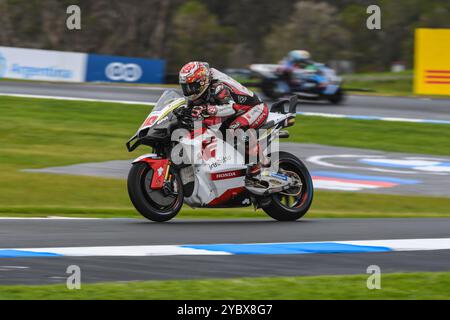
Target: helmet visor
<point>190,89</point>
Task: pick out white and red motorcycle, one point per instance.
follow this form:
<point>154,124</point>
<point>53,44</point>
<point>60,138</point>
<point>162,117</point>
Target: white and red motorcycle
<point>197,167</point>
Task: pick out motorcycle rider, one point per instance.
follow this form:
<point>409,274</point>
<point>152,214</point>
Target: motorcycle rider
<point>296,60</point>
<point>223,103</point>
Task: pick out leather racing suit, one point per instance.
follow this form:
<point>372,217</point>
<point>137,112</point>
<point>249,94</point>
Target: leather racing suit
<point>231,105</point>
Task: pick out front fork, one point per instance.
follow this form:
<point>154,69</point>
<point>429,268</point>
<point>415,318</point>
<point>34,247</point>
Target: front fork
<point>167,188</point>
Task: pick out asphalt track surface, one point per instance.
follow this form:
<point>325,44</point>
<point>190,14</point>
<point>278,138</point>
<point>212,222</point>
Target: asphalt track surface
<point>21,233</point>
<point>423,108</point>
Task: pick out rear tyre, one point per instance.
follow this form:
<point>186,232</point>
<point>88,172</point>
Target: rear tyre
<point>291,208</point>
<point>338,97</point>
<point>156,205</point>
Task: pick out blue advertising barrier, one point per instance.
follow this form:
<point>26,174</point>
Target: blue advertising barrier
<point>124,69</point>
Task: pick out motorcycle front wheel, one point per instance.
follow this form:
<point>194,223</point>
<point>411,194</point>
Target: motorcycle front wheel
<point>270,88</point>
<point>157,205</point>
<point>294,203</point>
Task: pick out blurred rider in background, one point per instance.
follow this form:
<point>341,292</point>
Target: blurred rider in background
<point>296,60</point>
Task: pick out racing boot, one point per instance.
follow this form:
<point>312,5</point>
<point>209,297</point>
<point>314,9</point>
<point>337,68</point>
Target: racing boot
<point>254,169</point>
<point>261,180</point>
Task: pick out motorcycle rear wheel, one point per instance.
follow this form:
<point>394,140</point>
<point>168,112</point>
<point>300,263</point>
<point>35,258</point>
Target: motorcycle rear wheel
<point>337,98</point>
<point>154,205</point>
<point>291,208</point>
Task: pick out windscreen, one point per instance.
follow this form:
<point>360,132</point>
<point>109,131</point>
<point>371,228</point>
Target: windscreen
<point>166,98</point>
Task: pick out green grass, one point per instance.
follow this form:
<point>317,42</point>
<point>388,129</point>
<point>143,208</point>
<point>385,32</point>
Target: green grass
<point>421,286</point>
<point>388,87</point>
<point>383,83</point>
<point>114,203</point>
<point>386,83</point>
<point>37,133</point>
<point>379,135</point>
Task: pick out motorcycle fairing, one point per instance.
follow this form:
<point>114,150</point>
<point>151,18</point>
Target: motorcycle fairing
<point>331,89</point>
<point>159,167</point>
<point>219,179</point>
<point>157,116</point>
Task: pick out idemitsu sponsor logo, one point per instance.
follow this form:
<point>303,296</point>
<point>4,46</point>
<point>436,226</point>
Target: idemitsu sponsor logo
<point>50,72</point>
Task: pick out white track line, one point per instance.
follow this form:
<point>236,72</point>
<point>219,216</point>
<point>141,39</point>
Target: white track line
<point>316,114</point>
<point>124,251</point>
<point>405,244</point>
<point>37,96</point>
<point>372,118</point>
<point>229,249</point>
<point>50,218</point>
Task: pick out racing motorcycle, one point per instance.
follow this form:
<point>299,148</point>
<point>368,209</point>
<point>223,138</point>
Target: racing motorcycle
<point>159,183</point>
<point>322,83</point>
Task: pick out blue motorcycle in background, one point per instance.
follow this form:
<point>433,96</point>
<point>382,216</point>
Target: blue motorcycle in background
<point>316,83</point>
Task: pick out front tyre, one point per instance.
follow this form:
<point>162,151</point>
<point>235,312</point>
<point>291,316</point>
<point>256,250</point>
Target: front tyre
<point>156,205</point>
<point>285,206</point>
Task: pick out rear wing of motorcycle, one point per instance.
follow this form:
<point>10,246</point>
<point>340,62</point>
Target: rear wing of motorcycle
<point>279,106</point>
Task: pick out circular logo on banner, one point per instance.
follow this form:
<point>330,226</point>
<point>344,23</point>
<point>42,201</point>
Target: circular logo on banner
<point>118,71</point>
<point>3,66</point>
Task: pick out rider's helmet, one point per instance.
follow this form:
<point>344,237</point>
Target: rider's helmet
<point>299,57</point>
<point>195,78</point>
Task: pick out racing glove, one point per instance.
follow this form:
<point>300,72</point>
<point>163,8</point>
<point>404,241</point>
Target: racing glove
<point>204,111</point>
